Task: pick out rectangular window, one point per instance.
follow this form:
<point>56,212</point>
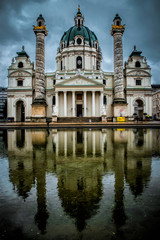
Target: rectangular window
<point>104,100</point>
<point>19,83</point>
<point>54,100</point>
<point>138,82</point>
<point>104,81</point>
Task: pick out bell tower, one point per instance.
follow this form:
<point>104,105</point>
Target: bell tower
<point>39,102</point>
<point>119,101</point>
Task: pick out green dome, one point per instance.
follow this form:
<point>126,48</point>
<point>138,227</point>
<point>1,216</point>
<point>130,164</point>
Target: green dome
<point>83,31</point>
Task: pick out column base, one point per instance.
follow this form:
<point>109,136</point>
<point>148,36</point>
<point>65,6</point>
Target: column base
<point>54,118</point>
<point>104,119</point>
<point>39,111</point>
<point>120,109</point>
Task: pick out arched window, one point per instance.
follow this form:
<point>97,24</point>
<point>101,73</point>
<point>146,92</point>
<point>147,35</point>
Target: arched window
<point>61,65</point>
<point>79,62</point>
<point>117,23</point>
<point>20,65</point>
<point>137,64</point>
<point>39,24</point>
<point>79,41</point>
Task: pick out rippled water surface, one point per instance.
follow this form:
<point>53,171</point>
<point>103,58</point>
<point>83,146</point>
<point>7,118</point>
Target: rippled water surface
<point>80,184</point>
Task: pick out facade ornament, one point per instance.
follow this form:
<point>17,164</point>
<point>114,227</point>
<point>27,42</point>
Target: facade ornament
<point>103,110</point>
<point>55,110</point>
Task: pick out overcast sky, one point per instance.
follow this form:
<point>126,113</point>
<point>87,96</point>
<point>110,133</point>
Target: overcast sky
<point>142,19</point>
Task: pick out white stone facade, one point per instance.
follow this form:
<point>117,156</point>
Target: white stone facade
<point>79,87</point>
<point>156,105</point>
<point>138,85</point>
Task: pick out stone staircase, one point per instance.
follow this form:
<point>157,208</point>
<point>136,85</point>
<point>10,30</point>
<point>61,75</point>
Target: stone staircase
<point>78,119</point>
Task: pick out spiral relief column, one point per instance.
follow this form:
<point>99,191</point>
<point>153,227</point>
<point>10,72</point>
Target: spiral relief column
<point>39,103</point>
<point>119,101</point>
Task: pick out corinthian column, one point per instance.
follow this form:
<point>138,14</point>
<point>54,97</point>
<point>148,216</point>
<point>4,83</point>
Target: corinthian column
<point>65,104</point>
<point>93,103</point>
<point>85,104</point>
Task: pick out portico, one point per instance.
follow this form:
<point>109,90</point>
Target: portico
<point>76,102</point>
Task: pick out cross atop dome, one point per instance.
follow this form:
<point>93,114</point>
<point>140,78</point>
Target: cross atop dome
<point>79,11</point>
<point>79,19</point>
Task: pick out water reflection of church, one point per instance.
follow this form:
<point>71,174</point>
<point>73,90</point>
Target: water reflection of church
<point>79,158</point>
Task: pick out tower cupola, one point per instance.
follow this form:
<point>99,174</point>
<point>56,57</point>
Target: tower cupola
<point>40,21</point>
<point>79,19</point>
<point>117,20</point>
<point>41,27</point>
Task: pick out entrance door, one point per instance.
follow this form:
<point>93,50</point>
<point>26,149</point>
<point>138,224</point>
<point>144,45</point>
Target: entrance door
<point>139,108</point>
<point>20,112</point>
<point>79,110</point>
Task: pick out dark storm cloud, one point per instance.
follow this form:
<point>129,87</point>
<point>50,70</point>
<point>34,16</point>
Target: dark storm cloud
<point>141,17</point>
<point>13,19</point>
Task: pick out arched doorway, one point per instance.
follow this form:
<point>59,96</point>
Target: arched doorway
<point>20,111</point>
<point>138,108</point>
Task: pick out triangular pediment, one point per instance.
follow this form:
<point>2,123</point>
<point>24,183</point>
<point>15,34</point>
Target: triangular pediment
<point>79,81</point>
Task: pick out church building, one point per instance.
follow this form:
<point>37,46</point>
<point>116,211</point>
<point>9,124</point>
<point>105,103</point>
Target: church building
<point>79,90</point>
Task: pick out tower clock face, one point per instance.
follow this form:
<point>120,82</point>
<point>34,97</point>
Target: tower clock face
<point>79,41</point>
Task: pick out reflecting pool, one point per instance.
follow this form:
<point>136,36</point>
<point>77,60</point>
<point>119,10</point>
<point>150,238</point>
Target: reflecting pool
<point>79,184</point>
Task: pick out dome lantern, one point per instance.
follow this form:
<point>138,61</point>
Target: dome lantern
<point>79,19</point>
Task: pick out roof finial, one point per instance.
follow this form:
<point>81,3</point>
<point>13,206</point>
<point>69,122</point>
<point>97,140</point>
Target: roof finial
<point>134,47</point>
<point>79,8</point>
<point>23,47</point>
